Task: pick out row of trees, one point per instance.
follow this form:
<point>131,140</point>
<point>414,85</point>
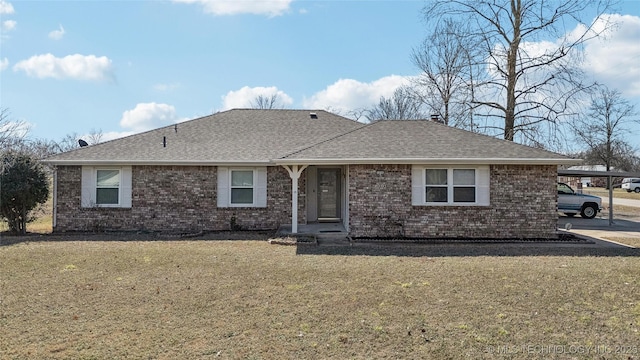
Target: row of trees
<point>512,69</point>
<point>485,75</point>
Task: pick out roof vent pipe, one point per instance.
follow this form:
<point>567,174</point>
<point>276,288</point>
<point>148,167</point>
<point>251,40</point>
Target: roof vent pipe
<point>164,141</point>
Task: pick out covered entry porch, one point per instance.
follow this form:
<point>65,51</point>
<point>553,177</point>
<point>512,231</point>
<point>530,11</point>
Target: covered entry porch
<point>325,204</point>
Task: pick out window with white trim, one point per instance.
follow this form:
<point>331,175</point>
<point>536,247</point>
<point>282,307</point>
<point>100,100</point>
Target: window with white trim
<point>456,185</point>
<point>241,187</point>
<point>108,187</point>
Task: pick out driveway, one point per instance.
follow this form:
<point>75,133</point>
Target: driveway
<point>598,228</point>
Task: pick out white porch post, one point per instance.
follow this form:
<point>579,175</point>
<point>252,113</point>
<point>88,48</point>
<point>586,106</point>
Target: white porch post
<point>294,174</point>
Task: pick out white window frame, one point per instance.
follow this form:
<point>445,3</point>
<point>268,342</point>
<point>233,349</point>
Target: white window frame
<point>259,186</point>
<point>481,185</point>
<point>89,187</point>
<point>104,187</point>
<point>252,187</point>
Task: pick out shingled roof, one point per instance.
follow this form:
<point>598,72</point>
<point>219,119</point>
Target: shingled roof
<point>236,136</point>
<point>424,141</point>
<point>249,136</point>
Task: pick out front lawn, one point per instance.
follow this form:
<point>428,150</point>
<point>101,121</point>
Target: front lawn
<point>249,299</point>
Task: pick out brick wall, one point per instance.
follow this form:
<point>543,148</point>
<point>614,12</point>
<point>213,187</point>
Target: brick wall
<point>183,199</point>
<point>522,205</point>
<point>176,199</point>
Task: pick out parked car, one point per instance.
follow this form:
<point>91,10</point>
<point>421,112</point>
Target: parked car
<point>631,184</point>
<point>571,203</point>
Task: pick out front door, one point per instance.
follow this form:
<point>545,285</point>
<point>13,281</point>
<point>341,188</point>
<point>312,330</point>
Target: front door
<point>329,194</point>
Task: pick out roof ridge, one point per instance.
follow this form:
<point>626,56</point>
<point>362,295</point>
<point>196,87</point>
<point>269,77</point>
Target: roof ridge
<point>325,140</point>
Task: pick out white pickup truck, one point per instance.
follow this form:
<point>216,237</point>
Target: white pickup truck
<point>571,203</point>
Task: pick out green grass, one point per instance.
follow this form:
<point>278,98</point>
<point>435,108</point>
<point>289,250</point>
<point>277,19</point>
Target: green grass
<point>251,300</point>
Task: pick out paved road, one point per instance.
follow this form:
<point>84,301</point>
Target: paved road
<point>604,194</point>
<point>618,201</point>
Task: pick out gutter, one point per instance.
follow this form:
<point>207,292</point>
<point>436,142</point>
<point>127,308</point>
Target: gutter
<point>430,161</point>
<point>159,162</point>
<point>326,161</point>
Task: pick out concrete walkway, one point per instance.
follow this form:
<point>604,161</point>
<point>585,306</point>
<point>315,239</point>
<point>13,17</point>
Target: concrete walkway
<point>598,228</point>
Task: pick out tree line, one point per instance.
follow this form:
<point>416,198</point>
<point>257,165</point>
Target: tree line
<point>24,181</point>
<point>478,69</point>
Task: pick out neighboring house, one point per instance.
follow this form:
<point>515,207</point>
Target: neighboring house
<point>260,169</point>
<point>587,181</point>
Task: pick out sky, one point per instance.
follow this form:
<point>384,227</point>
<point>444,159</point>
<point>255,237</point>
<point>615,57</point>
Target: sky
<point>122,67</point>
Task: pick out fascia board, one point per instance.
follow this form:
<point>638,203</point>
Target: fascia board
<point>159,162</point>
<point>438,161</point>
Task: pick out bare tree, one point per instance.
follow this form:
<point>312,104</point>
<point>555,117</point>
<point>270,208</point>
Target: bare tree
<point>12,132</point>
<point>95,136</point>
<point>266,102</point>
<point>403,105</point>
<point>447,61</point>
<point>603,128</point>
<point>68,142</point>
<point>527,81</point>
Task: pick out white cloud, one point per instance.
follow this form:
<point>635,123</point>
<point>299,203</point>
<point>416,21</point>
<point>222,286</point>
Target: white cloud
<point>166,87</point>
<point>227,7</point>
<point>147,116</point>
<point>615,59</point>
<point>112,135</point>
<point>4,63</point>
<point>244,97</point>
<point>349,94</point>
<point>9,25</point>
<point>78,67</point>
<point>57,34</point>
<point>6,7</point>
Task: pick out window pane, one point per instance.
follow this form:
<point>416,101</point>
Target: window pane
<point>107,196</point>
<point>464,194</point>
<point>242,178</point>
<point>436,176</point>
<point>242,196</point>
<point>464,177</point>
<point>108,178</point>
<point>436,194</point>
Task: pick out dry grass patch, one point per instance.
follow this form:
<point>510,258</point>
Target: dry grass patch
<point>631,241</point>
<point>617,193</point>
<point>248,299</point>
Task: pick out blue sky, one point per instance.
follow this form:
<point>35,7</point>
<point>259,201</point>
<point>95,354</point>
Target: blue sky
<point>128,66</point>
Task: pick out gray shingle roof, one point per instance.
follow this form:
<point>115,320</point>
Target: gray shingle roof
<point>240,135</point>
<point>423,140</point>
<point>248,136</point>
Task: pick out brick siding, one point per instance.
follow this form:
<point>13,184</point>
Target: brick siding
<point>522,205</point>
<point>183,199</point>
<point>174,199</point>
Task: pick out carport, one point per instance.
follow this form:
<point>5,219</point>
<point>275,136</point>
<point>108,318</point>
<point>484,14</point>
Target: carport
<point>606,174</point>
